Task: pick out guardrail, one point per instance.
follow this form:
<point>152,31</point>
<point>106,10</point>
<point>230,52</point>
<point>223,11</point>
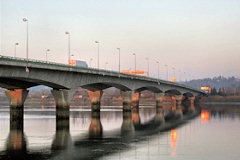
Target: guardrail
<point>33,61</point>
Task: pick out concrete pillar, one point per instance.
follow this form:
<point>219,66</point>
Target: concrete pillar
<point>127,100</point>
<point>95,98</point>
<point>135,99</point>
<point>16,100</point>
<point>177,110</point>
<point>130,98</point>
<point>62,99</point>
<point>95,129</point>
<point>191,107</point>
<point>177,100</point>
<point>159,98</point>
<point>17,97</point>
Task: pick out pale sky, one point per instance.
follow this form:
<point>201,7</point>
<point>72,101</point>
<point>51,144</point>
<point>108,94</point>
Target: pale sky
<point>199,37</point>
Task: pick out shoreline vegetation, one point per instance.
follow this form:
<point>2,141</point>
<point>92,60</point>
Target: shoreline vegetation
<point>221,99</point>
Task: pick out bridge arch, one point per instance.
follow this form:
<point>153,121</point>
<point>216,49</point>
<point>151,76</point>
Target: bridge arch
<point>188,94</point>
<point>104,85</point>
<point>149,88</point>
<point>173,92</point>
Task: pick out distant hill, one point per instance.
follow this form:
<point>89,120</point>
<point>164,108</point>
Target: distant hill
<point>216,82</point>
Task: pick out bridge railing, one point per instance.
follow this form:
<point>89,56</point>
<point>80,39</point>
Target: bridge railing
<point>100,71</point>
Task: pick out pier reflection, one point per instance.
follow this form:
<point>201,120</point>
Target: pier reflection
<point>16,144</point>
<point>159,117</point>
<point>62,138</point>
<point>127,124</point>
<point>95,129</point>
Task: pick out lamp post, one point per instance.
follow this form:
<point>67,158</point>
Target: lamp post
<point>97,42</point>
<point>135,66</point>
<point>47,52</point>
<point>118,59</point>
<point>15,49</point>
<point>173,72</point>
<point>158,69</point>
<point>179,75</point>
<point>90,62</point>
<point>69,56</point>
<point>106,65</point>
<point>26,20</point>
<point>147,66</point>
<point>166,70</point>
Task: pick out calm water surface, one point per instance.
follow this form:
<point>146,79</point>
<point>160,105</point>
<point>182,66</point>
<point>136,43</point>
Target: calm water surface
<point>214,134</point>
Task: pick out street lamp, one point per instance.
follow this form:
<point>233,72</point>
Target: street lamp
<point>15,49</point>
<point>135,66</point>
<point>26,20</point>
<point>97,53</point>
<point>173,72</point>
<point>90,62</point>
<point>167,70</point>
<point>106,65</point>
<point>69,56</point>
<point>47,52</point>
<point>158,68</point>
<point>179,75</point>
<point>118,59</point>
<point>147,66</point>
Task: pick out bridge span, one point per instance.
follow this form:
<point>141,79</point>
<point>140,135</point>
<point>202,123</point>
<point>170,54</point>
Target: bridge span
<point>17,75</point>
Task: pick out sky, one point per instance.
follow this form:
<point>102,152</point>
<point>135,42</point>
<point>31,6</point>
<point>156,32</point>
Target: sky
<point>198,37</point>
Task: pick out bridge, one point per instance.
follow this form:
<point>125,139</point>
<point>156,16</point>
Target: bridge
<point>17,75</point>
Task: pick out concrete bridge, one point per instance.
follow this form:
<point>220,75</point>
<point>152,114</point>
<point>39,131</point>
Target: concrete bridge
<point>17,75</point>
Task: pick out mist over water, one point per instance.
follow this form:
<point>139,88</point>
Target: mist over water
<point>113,134</point>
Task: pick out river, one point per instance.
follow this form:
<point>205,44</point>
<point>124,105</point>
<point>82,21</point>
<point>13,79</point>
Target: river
<point>142,134</point>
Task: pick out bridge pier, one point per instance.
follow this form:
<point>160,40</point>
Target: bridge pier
<point>16,100</point>
<point>177,101</point>
<point>135,99</point>
<point>95,98</point>
<point>130,98</point>
<point>159,99</point>
<point>127,100</point>
<point>191,107</point>
<point>62,99</point>
<point>17,97</point>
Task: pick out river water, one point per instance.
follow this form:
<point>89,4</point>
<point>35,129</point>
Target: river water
<point>113,135</point>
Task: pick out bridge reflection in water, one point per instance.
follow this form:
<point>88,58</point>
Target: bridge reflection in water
<point>95,143</point>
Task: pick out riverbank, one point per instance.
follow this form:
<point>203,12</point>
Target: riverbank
<point>218,100</point>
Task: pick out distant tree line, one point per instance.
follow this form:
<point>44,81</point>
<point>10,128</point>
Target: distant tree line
<point>220,85</point>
